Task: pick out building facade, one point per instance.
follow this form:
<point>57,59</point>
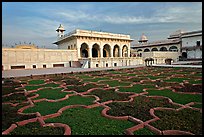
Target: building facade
<point>29,57</point>
<point>98,49</point>
<point>179,45</point>
<point>159,51</point>
<point>92,49</point>
<point>191,45</point>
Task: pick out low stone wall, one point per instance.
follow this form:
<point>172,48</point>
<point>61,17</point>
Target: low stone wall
<point>36,58</point>
<point>115,62</point>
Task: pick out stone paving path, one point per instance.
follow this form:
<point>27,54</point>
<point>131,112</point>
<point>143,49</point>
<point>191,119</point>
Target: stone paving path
<point>184,66</point>
<point>41,71</point>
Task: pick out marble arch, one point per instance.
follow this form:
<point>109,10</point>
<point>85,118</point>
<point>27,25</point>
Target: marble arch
<point>173,48</point>
<point>96,51</point>
<point>84,50</point>
<point>106,50</point>
<point>125,51</point>
<point>116,51</point>
<point>154,49</point>
<point>146,50</point>
<point>163,49</point>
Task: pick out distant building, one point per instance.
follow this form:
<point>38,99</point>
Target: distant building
<point>191,43</point>
<point>31,57</point>
<point>180,45</point>
<point>159,51</point>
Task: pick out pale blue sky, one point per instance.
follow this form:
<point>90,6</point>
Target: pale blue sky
<point>36,22</point>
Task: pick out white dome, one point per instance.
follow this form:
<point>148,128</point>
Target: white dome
<point>143,38</point>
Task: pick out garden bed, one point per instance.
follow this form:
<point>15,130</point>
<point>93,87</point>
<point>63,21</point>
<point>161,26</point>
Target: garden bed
<point>105,102</point>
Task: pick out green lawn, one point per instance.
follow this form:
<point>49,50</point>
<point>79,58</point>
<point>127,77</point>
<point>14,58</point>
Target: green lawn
<point>176,97</point>
<point>95,79</point>
<point>50,93</point>
<point>176,79</point>
<point>29,87</point>
<point>36,129</point>
<point>115,83</point>
<point>185,120</point>
<point>36,82</point>
<point>53,107</point>
<point>135,88</point>
<point>84,121</point>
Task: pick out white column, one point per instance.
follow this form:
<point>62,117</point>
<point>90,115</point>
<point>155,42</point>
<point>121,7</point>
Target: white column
<point>78,52</point>
<point>90,52</point>
<point>111,52</point>
<point>128,52</point>
<point>101,51</point>
<point>120,51</point>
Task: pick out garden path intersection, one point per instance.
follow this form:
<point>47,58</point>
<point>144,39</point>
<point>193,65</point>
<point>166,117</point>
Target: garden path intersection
<point>131,101</point>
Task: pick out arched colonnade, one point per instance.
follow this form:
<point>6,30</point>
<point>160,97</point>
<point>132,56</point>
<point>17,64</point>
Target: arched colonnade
<point>106,50</point>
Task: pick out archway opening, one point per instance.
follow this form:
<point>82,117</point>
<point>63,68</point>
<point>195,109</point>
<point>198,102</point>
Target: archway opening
<point>94,53</point>
<point>116,51</point>
<point>125,51</point>
<point>146,50</point>
<point>184,54</point>
<point>163,49</point>
<point>84,53</point>
<point>154,49</point>
<point>84,50</point>
<point>149,61</point>
<point>106,50</point>
<point>168,61</point>
<point>104,53</point>
<point>173,48</point>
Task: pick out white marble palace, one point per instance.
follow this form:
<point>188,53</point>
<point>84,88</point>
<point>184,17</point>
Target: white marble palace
<point>98,49</point>
<point>92,49</point>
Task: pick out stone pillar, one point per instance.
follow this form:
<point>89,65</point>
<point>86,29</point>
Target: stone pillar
<point>111,52</point>
<point>101,52</point>
<point>90,52</point>
<point>128,52</point>
<point>120,51</point>
<point>78,52</point>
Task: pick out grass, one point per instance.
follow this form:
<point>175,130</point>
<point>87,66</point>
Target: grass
<point>143,131</point>
<point>82,88</point>
<point>36,82</point>
<point>15,98</point>
<point>53,107</point>
<point>36,129</point>
<point>195,81</point>
<point>176,79</point>
<point>176,97</point>
<point>6,90</point>
<point>185,120</point>
<point>197,105</point>
<point>115,83</point>
<point>10,116</point>
<point>110,94</point>
<point>139,108</point>
<point>50,93</point>
<point>84,121</point>
<point>155,77</point>
<point>29,87</point>
<point>95,79</point>
<point>135,88</point>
